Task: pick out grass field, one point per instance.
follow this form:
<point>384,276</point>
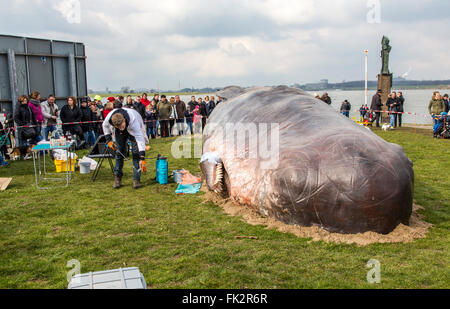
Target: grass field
<point>181,242</point>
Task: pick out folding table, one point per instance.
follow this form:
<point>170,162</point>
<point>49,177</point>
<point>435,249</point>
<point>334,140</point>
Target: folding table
<point>40,172</point>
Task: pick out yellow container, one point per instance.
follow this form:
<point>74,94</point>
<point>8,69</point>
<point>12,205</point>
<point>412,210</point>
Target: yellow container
<point>61,166</point>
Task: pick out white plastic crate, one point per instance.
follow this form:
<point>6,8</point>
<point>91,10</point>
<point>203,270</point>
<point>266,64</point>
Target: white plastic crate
<point>122,278</point>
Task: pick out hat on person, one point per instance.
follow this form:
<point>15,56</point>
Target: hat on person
<point>111,99</point>
<point>98,98</point>
<point>380,91</point>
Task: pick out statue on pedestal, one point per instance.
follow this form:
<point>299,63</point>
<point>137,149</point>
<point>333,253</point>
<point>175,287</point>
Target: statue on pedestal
<point>385,77</point>
<point>385,50</point>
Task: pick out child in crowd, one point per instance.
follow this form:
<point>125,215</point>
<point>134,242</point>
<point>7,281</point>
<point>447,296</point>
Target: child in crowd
<point>151,117</point>
<point>197,119</point>
<point>108,108</point>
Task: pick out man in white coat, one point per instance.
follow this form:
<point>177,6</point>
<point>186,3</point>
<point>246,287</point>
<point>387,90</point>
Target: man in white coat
<point>125,124</point>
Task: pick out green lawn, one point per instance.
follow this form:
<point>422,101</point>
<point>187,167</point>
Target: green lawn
<point>181,242</point>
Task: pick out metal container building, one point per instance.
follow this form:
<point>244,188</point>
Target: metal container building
<point>48,66</point>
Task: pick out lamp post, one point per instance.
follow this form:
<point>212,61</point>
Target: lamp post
<point>366,68</point>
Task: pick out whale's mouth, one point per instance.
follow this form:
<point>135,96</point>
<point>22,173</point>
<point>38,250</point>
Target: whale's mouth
<point>221,184</point>
<point>216,178</point>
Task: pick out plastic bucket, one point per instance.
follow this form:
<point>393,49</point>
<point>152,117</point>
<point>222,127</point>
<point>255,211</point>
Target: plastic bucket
<point>85,167</point>
<point>61,166</point>
<point>178,176</point>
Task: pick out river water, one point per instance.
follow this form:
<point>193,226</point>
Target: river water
<point>416,101</point>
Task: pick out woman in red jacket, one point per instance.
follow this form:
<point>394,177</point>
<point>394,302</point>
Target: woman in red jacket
<point>108,107</point>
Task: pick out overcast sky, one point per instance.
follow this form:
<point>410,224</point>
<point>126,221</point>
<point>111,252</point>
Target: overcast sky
<point>145,44</point>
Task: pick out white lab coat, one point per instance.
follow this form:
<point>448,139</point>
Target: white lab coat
<point>135,128</point>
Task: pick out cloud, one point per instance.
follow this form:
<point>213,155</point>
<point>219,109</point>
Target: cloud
<point>70,10</point>
<point>247,42</point>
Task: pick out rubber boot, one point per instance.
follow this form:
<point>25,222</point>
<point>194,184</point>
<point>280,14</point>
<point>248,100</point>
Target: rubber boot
<point>117,182</point>
<point>137,184</point>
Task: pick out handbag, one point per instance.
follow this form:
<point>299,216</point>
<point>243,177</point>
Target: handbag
<point>28,133</point>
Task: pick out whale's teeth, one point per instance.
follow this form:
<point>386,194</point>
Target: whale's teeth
<point>219,178</point>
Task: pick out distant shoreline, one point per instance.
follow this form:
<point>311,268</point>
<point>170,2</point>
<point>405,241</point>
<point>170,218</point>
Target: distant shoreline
<point>397,87</point>
<point>372,85</point>
<point>428,87</point>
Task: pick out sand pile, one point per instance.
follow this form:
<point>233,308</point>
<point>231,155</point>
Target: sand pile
<point>402,234</point>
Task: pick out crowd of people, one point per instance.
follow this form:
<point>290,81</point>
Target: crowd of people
<point>438,109</point>
<point>395,106</point>
<point>163,117</point>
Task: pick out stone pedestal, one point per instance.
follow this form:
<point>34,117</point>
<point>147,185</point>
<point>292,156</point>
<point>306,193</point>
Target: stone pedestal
<point>385,84</point>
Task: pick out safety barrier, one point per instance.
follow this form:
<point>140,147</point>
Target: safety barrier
<point>148,121</point>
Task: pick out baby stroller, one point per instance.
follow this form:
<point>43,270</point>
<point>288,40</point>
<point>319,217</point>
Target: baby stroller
<point>369,118</point>
<point>442,128</point>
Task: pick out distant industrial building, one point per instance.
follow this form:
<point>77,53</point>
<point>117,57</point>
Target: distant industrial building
<point>322,85</point>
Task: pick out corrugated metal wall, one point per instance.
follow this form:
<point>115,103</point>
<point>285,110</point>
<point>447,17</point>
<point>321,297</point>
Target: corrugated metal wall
<point>50,67</point>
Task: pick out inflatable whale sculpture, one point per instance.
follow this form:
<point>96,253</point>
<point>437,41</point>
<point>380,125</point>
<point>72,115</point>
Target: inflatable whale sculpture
<point>322,169</point>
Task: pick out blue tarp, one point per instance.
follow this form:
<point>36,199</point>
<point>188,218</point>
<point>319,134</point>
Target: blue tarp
<point>188,189</point>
